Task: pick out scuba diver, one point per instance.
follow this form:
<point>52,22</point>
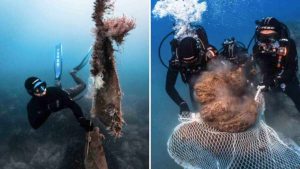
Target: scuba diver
<point>234,51</point>
<point>237,54</point>
<point>275,54</point>
<point>46,100</point>
<point>190,56</point>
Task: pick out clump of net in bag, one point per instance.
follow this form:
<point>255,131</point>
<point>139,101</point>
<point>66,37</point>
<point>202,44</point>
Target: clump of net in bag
<point>226,99</point>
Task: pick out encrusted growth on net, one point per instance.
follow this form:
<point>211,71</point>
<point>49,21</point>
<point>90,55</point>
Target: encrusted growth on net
<point>107,92</point>
<point>226,99</point>
<point>118,28</point>
<point>248,142</point>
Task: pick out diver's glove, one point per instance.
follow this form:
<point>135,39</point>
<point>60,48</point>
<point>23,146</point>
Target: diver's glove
<point>184,108</point>
<point>264,87</point>
<point>86,124</point>
<point>211,52</point>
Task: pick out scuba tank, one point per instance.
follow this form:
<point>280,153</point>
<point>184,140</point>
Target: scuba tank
<point>234,51</point>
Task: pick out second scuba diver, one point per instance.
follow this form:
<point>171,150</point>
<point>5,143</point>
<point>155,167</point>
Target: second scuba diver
<point>276,55</point>
<point>46,100</point>
<point>234,51</point>
<point>190,56</point>
<point>237,54</point>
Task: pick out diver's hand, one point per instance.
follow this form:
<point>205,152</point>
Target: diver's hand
<point>263,87</point>
<point>262,47</point>
<point>86,124</point>
<point>184,108</point>
<point>211,52</point>
<point>282,51</point>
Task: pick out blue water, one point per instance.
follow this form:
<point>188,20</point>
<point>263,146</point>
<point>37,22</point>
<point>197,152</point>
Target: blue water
<point>222,19</point>
<point>29,32</point>
<point>31,29</point>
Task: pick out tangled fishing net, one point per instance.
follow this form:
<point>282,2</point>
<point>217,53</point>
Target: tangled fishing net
<point>105,87</point>
<point>229,131</point>
<point>226,99</point>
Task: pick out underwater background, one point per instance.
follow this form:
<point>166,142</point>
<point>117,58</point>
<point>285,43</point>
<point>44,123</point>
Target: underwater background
<point>222,19</point>
<point>28,34</point>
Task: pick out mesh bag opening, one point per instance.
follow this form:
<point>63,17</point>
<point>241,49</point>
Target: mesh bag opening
<point>195,145</point>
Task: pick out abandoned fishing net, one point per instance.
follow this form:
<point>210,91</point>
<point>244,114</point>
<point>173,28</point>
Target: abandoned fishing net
<point>105,87</point>
<point>229,131</point>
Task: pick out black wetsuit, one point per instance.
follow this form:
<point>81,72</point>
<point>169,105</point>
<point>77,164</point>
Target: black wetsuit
<point>56,99</point>
<point>189,72</point>
<point>283,77</point>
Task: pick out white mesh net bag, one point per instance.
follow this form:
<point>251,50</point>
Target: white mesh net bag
<point>199,143</point>
<point>195,145</point>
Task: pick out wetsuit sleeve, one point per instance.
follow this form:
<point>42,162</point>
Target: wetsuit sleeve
<point>68,102</point>
<point>170,84</point>
<point>291,65</point>
<point>36,115</point>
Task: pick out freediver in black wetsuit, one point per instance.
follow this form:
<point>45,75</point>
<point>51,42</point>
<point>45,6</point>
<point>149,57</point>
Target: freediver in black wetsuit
<point>276,55</point>
<point>190,56</point>
<point>46,100</point>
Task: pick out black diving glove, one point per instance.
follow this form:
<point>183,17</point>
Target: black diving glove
<point>184,108</point>
<point>86,124</point>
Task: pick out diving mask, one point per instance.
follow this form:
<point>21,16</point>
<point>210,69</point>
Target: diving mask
<point>268,43</point>
<point>39,87</point>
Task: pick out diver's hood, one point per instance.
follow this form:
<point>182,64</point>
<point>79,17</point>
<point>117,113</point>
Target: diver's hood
<point>269,23</point>
<point>188,49</point>
<point>33,82</point>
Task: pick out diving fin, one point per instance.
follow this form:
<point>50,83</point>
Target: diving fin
<point>84,60</point>
<point>58,62</point>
